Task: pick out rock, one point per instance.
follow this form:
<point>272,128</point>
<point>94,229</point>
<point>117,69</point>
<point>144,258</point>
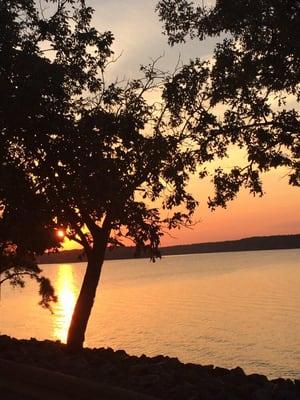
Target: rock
<point>164,377</point>
<point>220,372</point>
<point>237,371</point>
<point>297,385</point>
<point>140,369</point>
<point>149,380</point>
<point>258,379</point>
<point>211,385</point>
<point>264,393</point>
<point>284,389</point>
<point>120,356</point>
<point>191,375</point>
<point>236,376</point>
<point>286,384</point>
<point>285,395</point>
<point>158,359</point>
<point>183,391</point>
<point>207,369</point>
<point>246,390</point>
<point>226,396</point>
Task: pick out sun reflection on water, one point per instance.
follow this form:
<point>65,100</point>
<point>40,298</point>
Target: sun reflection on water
<point>66,292</point>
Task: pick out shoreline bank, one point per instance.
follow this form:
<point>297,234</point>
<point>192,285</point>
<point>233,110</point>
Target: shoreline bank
<point>162,377</point>
<point>259,243</point>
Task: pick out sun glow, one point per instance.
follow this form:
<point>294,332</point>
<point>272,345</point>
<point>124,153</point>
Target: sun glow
<point>66,292</point>
<point>60,234</point>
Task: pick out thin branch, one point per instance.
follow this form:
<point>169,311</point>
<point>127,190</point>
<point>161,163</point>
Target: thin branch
<point>10,276</point>
<point>75,239</point>
<point>83,240</point>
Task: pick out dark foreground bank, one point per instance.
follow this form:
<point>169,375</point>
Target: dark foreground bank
<point>160,376</point>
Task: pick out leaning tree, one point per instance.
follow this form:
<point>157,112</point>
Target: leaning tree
<point>94,157</point>
<point>101,162</point>
<point>247,95</point>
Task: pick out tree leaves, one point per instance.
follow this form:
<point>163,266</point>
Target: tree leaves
<point>243,99</point>
<point>84,149</point>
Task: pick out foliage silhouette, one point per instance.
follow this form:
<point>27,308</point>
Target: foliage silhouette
<point>105,164</point>
<point>94,157</point>
<point>247,95</point>
<point>25,231</point>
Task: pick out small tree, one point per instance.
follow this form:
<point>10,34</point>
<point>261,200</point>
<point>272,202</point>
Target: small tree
<point>248,95</point>
<point>94,157</point>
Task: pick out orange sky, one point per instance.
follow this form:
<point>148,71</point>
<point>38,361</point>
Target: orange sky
<point>277,212</point>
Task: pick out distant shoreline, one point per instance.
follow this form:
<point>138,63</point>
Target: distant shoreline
<point>276,242</point>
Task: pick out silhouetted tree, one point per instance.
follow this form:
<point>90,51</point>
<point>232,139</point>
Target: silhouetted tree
<point>247,95</point>
<point>94,157</point>
<point>16,263</point>
<point>26,231</point>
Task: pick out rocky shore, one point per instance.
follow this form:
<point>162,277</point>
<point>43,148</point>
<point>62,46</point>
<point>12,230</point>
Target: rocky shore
<point>161,376</point>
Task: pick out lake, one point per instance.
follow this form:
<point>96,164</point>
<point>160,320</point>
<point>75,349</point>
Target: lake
<point>225,309</point>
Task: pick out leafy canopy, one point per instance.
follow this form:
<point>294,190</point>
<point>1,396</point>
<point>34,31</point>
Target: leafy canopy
<point>93,156</point>
<point>248,95</point>
<point>96,157</point>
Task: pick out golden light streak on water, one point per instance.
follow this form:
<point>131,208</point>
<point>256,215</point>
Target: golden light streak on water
<point>225,309</point>
<point>66,292</point>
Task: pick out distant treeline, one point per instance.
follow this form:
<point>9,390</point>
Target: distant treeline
<point>247,244</point>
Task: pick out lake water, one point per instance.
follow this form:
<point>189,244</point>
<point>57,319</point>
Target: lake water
<point>225,309</point>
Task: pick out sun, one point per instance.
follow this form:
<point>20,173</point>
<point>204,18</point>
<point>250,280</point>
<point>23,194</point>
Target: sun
<point>60,234</point>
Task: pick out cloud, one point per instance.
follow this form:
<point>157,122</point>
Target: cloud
<point>138,36</point>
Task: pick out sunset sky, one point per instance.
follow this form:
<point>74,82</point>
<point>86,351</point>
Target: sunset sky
<point>139,38</point>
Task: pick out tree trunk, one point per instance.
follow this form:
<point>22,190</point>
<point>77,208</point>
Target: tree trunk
<point>87,294</point>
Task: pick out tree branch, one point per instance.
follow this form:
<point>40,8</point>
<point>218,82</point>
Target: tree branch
<point>10,276</point>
